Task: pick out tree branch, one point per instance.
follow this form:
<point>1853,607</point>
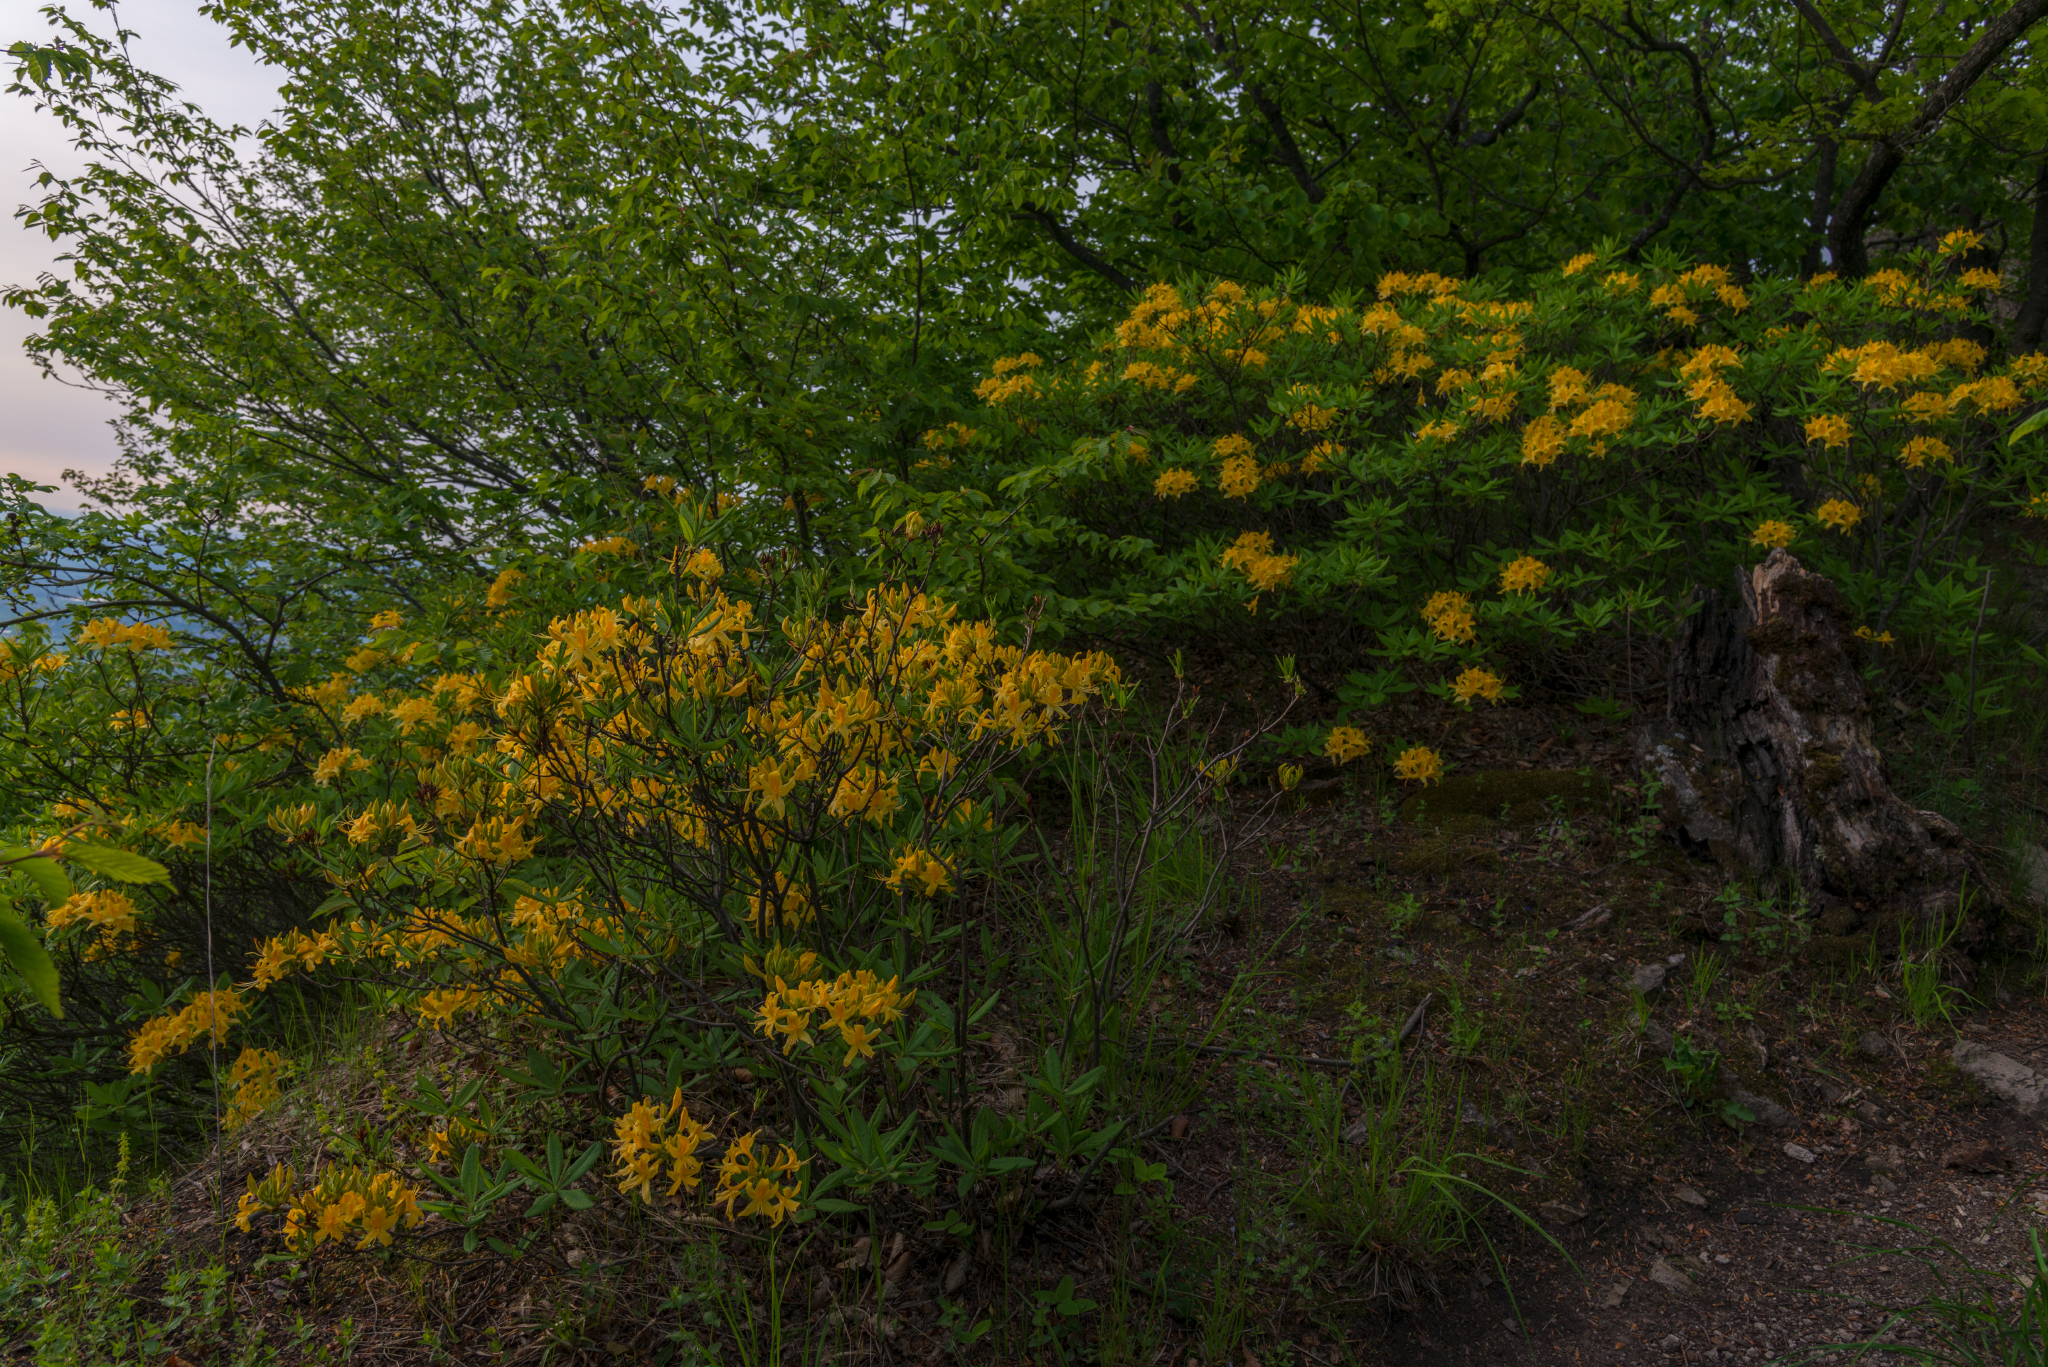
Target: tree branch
<point>1059,233</point>
<point>1851,221</point>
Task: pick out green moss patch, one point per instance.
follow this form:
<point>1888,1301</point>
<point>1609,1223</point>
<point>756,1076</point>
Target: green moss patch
<point>1514,797</point>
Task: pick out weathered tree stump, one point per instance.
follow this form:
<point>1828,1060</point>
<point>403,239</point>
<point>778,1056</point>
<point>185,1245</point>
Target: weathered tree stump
<point>1767,762</point>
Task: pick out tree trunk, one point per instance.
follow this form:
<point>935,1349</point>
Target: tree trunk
<point>2026,329</point>
<point>1767,762</point>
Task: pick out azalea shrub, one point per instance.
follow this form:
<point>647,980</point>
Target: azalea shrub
<point>1453,480</point>
<point>667,848</point>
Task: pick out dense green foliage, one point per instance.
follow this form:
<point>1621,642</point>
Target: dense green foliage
<point>592,470</point>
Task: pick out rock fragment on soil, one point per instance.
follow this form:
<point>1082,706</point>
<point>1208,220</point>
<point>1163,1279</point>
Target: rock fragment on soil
<point>2005,1078</point>
<point>1870,1044</point>
<point>1690,1197</point>
<point>1800,1153</point>
<point>1650,977</point>
<point>1614,1297</point>
<point>1768,1113</point>
<point>1976,1156</point>
<point>1558,1213</point>
<point>2034,869</point>
<point>1670,1278</point>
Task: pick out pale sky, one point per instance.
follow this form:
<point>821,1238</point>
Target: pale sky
<point>47,427</point>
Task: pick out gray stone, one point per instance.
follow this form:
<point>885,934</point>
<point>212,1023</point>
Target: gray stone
<point>1869,1113</point>
<point>1614,1297</point>
<point>1650,977</point>
<point>1671,1343</point>
<point>1558,1213</point>
<point>1690,1197</point>
<point>2005,1078</point>
<point>1870,1044</point>
<point>1799,1152</point>
<point>1670,1278</point>
<point>1768,1113</point>
<point>2034,869</point>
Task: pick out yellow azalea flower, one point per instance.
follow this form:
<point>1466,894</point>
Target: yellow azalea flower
<point>1831,430</point>
<point>1838,513</point>
<point>1865,634</point>
<point>1290,777</point>
<point>1579,263</point>
<point>1916,453</point>
<point>1346,743</point>
<point>1477,683</point>
<point>1175,483</point>
<point>1240,476</point>
<point>1449,615</point>
<point>1524,575</point>
<point>1773,533</point>
<point>1959,240</point>
<point>1419,764</point>
<point>1252,556</point>
<point>500,593</point>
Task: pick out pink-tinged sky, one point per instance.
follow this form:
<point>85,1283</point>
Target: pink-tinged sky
<point>47,427</point>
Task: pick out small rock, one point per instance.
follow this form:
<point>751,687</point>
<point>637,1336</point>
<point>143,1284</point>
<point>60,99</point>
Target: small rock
<point>1614,1297</point>
<point>1649,978</point>
<point>1799,1152</point>
<point>1830,1093</point>
<point>1651,1235</point>
<point>1882,1185</point>
<point>1670,1278</point>
<point>1869,1113</point>
<point>1589,920</point>
<point>1870,1044</point>
<point>2004,998</point>
<point>1360,1130</point>
<point>1690,1197</point>
<point>1675,960</point>
<point>1768,1113</point>
<point>957,1273</point>
<point>2005,1078</point>
<point>1671,1343</point>
<point>1558,1213</point>
<point>1976,1156</point>
<point>2034,868</point>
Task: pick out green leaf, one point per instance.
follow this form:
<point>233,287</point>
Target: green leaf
<point>2027,428</point>
<point>119,865</point>
<point>48,878</point>
<point>30,959</point>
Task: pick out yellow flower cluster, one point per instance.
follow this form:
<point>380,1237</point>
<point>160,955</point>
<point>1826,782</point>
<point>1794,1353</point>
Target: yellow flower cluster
<point>106,633</point>
<point>1477,683</point>
<point>280,956</point>
<point>856,1005</point>
<point>253,1079</point>
<point>920,871</point>
<point>1918,452</point>
<point>652,1141</point>
<point>1526,574</point>
<point>1773,534</point>
<point>1252,556</point>
<point>767,1181</point>
<point>1346,743</point>
<point>1838,513</point>
<point>1449,614</point>
<point>209,1013</point>
<point>1174,483</point>
<point>1419,764</point>
<point>1010,378</point>
<point>345,1201</point>
<point>111,916</point>
<point>1716,398</point>
<point>1830,430</point>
